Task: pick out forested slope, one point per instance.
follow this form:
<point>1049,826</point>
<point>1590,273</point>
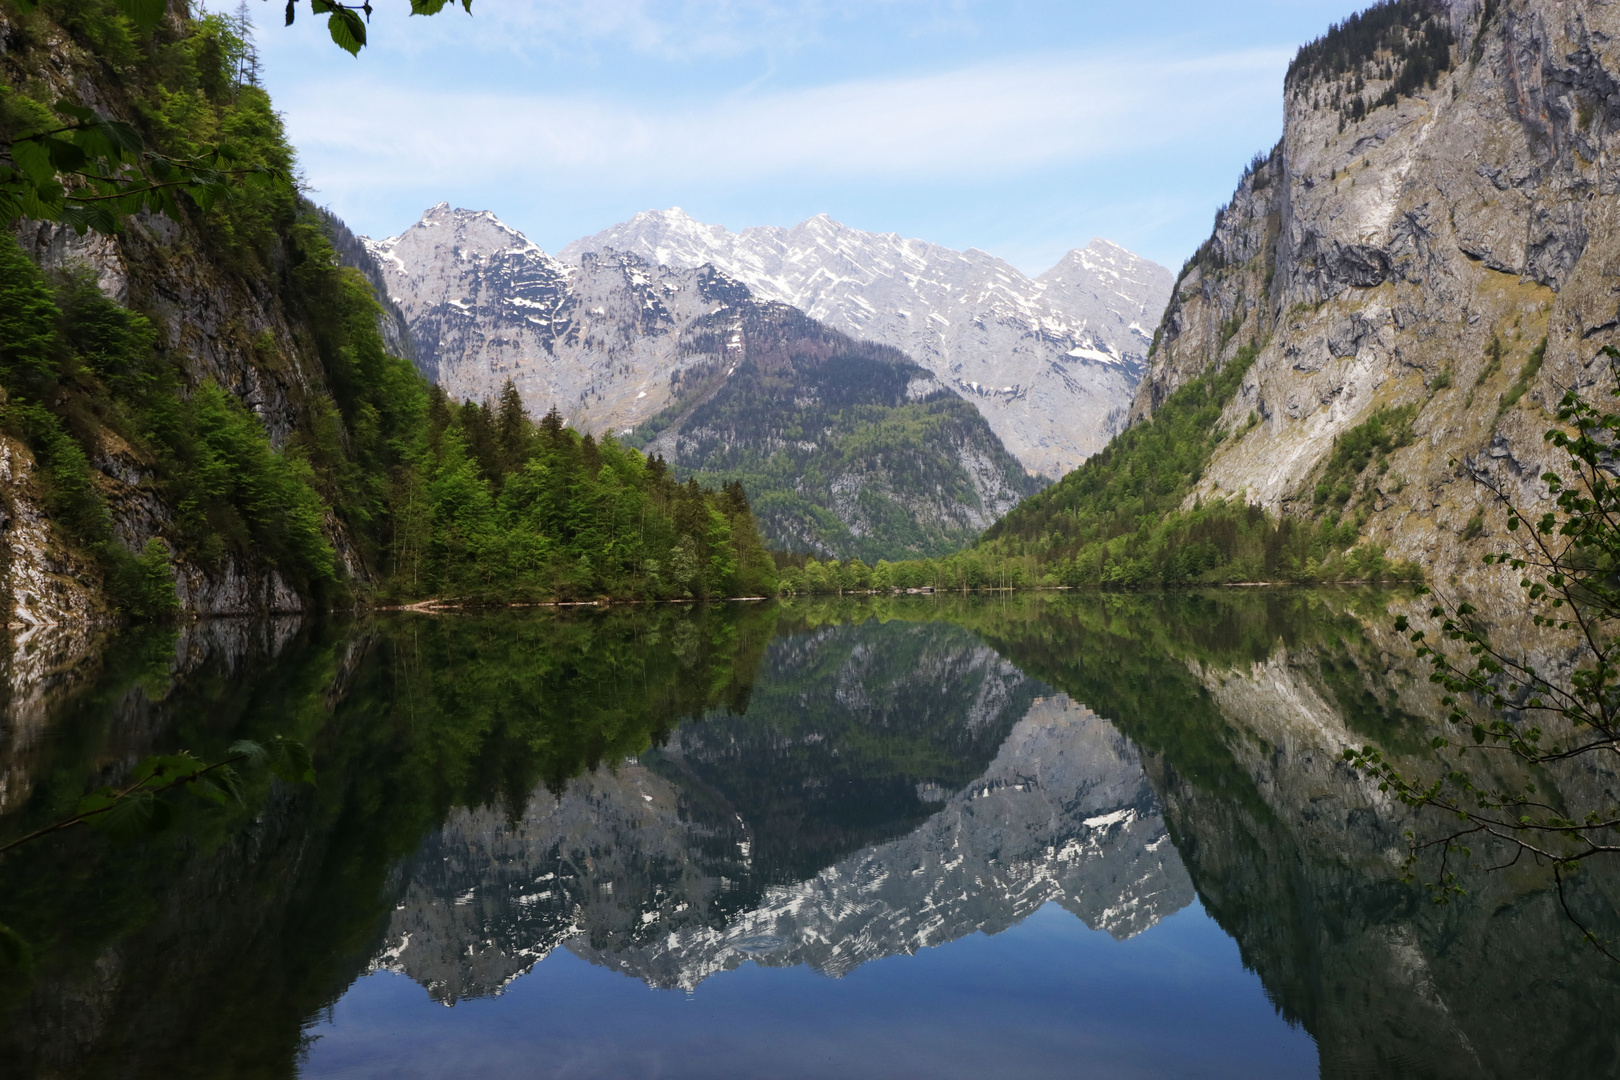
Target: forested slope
<point>847,448</point>
<point>201,414</point>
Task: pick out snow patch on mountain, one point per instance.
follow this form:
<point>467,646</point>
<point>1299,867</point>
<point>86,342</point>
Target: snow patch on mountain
<point>1051,362</point>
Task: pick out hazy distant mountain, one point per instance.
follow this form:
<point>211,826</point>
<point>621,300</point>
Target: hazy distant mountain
<point>1052,362</point>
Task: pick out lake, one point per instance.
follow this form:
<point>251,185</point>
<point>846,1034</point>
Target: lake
<point>1035,835</point>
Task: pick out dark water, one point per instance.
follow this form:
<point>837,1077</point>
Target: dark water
<point>1095,836</point>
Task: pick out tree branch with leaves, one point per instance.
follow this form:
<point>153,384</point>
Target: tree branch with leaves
<point>1520,719</point>
<point>90,171</point>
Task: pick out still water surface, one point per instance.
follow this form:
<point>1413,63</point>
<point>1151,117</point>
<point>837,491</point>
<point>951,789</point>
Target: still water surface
<point>1091,835</point>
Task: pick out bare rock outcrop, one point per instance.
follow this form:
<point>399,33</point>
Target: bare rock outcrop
<point>1448,247</point>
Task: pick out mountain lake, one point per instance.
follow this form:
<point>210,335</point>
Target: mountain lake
<point>1031,835</point>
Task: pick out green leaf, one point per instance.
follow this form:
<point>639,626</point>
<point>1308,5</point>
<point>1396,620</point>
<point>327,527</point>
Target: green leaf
<point>130,815</point>
<point>347,29</point>
<point>255,754</point>
<point>33,160</point>
<point>167,768</point>
<point>291,762</point>
<point>97,800</point>
<point>77,112</point>
<point>84,219</point>
<point>121,136</point>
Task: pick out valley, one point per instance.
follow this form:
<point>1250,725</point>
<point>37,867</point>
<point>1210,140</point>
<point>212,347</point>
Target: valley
<point>803,650</point>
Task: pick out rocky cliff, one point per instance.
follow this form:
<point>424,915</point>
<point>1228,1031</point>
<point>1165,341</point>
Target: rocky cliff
<point>231,300</point>
<point>1432,241</point>
<point>601,343</point>
<point>1050,361</point>
<point>215,326</point>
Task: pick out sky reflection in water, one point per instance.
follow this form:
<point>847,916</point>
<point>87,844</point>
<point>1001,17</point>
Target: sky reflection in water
<point>1048,997</point>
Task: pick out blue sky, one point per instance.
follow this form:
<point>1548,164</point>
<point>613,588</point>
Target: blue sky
<point>1022,128</point>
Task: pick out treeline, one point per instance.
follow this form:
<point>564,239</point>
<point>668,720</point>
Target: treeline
<point>1405,43</point>
<point>1410,40</point>
<point>503,508</point>
<point>1120,520</point>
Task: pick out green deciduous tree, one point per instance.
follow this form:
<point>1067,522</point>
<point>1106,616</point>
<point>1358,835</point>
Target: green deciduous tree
<point>1528,727</point>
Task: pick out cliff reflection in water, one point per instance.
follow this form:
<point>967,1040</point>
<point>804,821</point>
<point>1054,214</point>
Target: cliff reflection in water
<point>672,794</point>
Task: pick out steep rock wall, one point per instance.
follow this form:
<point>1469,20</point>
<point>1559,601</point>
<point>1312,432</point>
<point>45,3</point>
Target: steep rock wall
<point>1416,256</point>
<point>215,321</point>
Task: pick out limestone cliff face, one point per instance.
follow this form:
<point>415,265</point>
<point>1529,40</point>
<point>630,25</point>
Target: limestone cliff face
<point>1305,875</point>
<point>220,328</point>
<point>1416,254</point>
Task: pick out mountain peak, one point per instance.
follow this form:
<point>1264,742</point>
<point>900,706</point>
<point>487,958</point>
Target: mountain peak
<point>1050,362</point>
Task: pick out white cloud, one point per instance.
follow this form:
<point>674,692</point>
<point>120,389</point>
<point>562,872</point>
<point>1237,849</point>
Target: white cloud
<point>993,120</point>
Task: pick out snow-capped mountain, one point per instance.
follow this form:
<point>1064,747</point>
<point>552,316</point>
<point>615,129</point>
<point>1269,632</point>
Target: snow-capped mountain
<point>760,391</point>
<point>600,339</point>
<point>1051,362</point>
<point>616,871</point>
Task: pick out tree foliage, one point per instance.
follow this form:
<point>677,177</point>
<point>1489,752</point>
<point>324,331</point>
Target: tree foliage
<point>1522,720</point>
<point>65,161</point>
<point>1406,44</point>
<point>502,507</point>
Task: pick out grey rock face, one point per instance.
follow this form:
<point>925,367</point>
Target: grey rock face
<point>1051,362</point>
<point>1064,814</point>
<point>1374,262</point>
<point>600,341</point>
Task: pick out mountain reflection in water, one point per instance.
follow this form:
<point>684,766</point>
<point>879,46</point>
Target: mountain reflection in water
<point>868,838</point>
<point>636,875</point>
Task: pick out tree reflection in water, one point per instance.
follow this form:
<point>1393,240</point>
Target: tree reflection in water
<point>672,793</point>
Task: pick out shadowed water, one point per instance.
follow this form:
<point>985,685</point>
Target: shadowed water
<point>1042,836</point>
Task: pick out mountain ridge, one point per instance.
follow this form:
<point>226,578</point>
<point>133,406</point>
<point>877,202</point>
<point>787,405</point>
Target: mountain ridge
<point>624,346</point>
<point>1050,361</point>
